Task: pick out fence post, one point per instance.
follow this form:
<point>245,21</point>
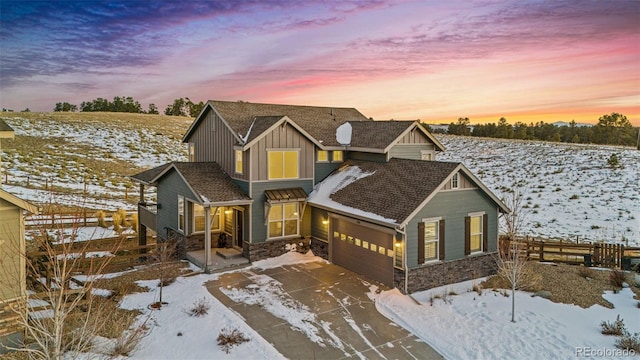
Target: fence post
<point>541,255</point>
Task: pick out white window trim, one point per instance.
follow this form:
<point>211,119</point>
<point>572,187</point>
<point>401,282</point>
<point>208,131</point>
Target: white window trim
<point>282,220</point>
<point>455,177</point>
<point>192,152</point>
<point>283,151</point>
<point>426,152</point>
<point>318,159</point>
<point>437,241</point>
<point>193,220</point>
<point>181,210</point>
<point>238,156</point>
<point>481,215</point>
<point>337,161</point>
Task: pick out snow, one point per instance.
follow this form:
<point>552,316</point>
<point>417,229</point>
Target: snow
<point>198,334</point>
<point>570,191</point>
<point>321,194</point>
<point>343,134</point>
<point>472,326</point>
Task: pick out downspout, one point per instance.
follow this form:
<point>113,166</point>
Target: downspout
<point>403,231</point>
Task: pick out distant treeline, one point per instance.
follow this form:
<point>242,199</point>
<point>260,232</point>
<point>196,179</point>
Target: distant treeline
<point>179,107</point>
<point>611,129</point>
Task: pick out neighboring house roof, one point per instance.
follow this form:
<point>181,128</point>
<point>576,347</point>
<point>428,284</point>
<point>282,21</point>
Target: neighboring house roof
<point>6,132</point>
<point>146,177</point>
<point>19,202</point>
<point>319,122</point>
<point>207,180</point>
<point>388,192</point>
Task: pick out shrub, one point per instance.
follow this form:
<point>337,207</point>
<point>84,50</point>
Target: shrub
<point>229,338</point>
<point>616,328</point>
<point>101,219</point>
<point>200,308</point>
<point>616,278</point>
<point>585,272</point>
<point>629,342</point>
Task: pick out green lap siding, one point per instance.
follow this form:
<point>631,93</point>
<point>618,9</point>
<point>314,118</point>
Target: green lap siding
<point>169,188</point>
<point>453,207</point>
<point>258,226</point>
<point>412,151</point>
<point>322,170</point>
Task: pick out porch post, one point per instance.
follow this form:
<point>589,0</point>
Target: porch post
<point>207,237</point>
<point>142,229</point>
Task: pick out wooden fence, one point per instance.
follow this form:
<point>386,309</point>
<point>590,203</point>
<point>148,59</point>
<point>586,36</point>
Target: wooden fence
<point>597,254</point>
<point>107,255</point>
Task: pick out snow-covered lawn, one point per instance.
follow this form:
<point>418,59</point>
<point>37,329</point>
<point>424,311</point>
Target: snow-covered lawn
<point>472,326</point>
<point>466,326</point>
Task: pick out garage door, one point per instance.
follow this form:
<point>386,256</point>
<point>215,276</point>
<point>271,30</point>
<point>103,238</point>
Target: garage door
<point>365,250</point>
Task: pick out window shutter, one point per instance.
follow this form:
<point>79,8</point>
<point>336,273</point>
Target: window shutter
<point>485,238</point>
<point>467,235</point>
<point>420,243</point>
<point>441,240</point>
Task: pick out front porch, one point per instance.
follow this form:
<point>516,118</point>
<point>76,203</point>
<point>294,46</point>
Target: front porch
<point>219,259</point>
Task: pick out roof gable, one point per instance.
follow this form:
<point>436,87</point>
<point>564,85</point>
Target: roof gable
<point>319,122</point>
<point>23,204</point>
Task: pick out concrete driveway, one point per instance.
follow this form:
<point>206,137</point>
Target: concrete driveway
<point>317,311</point>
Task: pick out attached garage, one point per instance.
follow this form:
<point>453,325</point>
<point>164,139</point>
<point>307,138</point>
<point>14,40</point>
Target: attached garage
<point>364,248</point>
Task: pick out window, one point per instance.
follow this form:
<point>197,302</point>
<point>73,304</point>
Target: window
<point>192,152</point>
<point>284,220</point>
<point>454,181</point>
<point>399,248</point>
<point>337,156</point>
<point>475,233</point>
<point>425,155</point>
<point>323,156</point>
<point>199,219</point>
<point>283,164</point>
<point>431,240</point>
<point>239,161</point>
<point>180,213</point>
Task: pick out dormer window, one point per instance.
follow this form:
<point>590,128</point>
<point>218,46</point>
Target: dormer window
<point>337,156</point>
<point>455,181</point>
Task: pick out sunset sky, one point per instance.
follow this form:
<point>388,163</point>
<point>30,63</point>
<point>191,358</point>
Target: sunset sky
<point>430,60</point>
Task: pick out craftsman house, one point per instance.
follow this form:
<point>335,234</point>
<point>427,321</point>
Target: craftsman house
<point>367,195</point>
<point>13,278</point>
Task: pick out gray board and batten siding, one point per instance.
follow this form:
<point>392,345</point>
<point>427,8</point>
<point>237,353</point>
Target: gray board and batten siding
<point>284,137</point>
<point>453,206</point>
<point>214,141</point>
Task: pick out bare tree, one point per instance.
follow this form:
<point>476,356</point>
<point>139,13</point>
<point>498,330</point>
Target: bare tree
<point>513,221</point>
<point>164,256</point>
<point>516,270</point>
<point>58,313</point>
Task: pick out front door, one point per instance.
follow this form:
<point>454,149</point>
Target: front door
<point>238,227</point>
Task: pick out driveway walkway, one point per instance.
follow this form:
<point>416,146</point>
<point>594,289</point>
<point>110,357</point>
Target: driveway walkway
<point>316,311</point>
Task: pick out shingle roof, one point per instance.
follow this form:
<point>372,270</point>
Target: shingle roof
<point>260,124</point>
<point>395,189</point>
<point>377,134</point>
<point>319,122</point>
<point>146,177</point>
<point>210,182</point>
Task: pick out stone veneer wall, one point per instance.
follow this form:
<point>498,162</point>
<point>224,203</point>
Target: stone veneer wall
<point>272,248</point>
<point>185,244</point>
<point>448,272</point>
<point>320,248</point>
